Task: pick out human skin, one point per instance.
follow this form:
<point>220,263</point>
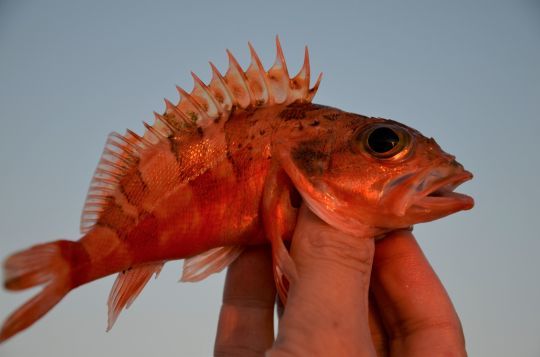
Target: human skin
<point>354,297</point>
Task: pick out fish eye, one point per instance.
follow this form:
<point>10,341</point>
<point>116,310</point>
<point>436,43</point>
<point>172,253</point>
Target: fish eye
<point>381,140</point>
<point>385,141</point>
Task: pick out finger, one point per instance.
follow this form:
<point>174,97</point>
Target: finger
<point>415,308</point>
<point>327,307</point>
<point>376,327</point>
<point>245,325</point>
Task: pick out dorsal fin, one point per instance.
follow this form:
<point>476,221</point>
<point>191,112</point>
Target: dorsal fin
<point>206,107</point>
<point>119,154</point>
<point>127,286</point>
<point>255,87</point>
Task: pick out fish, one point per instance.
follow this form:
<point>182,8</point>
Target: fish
<point>226,167</point>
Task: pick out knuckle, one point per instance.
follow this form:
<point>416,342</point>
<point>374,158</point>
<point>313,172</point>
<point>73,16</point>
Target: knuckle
<point>339,249</point>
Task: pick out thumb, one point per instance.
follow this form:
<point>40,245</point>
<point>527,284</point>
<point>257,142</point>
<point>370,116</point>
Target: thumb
<point>327,307</point>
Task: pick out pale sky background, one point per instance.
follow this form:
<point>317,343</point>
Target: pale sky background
<point>464,72</point>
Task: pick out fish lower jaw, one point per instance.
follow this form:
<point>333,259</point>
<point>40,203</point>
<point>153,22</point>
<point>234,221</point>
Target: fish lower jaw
<point>445,199</point>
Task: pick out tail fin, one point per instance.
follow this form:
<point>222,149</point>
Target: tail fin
<point>48,264</point>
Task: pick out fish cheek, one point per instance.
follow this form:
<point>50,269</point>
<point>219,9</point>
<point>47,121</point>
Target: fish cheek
<point>310,158</point>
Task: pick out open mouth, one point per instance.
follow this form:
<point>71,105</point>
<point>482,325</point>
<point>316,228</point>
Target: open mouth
<point>441,192</point>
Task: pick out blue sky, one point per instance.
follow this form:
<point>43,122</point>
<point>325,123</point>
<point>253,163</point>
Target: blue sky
<point>466,73</point>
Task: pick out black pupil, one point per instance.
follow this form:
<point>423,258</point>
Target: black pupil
<point>382,140</point>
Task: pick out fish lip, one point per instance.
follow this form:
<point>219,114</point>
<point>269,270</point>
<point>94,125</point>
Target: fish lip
<point>442,193</point>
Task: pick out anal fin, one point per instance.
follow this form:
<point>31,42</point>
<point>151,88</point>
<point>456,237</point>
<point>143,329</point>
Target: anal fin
<point>127,287</point>
<point>212,261</point>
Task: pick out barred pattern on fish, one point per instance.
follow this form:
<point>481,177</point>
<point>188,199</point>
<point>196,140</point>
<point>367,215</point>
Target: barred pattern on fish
<point>226,167</point>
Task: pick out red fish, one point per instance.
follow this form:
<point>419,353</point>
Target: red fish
<point>228,166</point>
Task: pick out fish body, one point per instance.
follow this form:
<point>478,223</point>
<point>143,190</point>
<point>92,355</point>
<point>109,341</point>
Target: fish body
<point>226,167</point>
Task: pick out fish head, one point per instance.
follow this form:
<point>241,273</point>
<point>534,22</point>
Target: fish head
<point>376,175</point>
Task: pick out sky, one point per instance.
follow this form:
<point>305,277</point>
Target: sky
<point>466,73</point>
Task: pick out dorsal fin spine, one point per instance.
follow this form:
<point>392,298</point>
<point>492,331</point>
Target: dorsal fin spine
<point>236,83</point>
<point>256,63</point>
<point>157,134</point>
<point>131,135</point>
<point>314,89</point>
<point>218,77</point>
<point>186,96</point>
<point>234,66</point>
<point>122,143</point>
<point>177,112</point>
<point>198,82</point>
<point>280,57</point>
<point>160,118</point>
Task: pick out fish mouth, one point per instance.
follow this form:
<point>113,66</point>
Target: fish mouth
<point>440,193</point>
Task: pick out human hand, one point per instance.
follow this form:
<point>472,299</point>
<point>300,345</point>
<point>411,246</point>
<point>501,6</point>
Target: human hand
<point>353,297</point>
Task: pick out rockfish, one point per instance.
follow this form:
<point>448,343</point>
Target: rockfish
<point>226,167</point>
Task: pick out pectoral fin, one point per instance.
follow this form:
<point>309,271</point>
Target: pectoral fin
<point>279,217</point>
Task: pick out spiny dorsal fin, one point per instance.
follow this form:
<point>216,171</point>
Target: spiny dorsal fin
<point>208,106</point>
<point>127,286</point>
<point>213,261</point>
<point>255,87</point>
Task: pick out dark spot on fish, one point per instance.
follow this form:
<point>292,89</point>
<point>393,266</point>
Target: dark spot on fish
<point>114,217</point>
<point>200,131</point>
<point>133,187</point>
<point>331,117</point>
<point>300,126</point>
<point>252,136</point>
<point>193,116</point>
<point>315,122</point>
<point>249,111</point>
<point>175,147</point>
<point>310,157</point>
<point>216,120</point>
<point>250,147</point>
<point>292,113</point>
<point>262,132</point>
<point>239,146</point>
<point>236,169</point>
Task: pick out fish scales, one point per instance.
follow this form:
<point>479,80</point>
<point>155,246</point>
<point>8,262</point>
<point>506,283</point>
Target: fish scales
<point>228,166</point>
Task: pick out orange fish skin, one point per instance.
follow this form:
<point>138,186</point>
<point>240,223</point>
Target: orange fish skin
<point>222,206</point>
<point>219,207</point>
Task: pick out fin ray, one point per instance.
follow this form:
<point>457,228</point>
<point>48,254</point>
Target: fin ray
<point>213,261</point>
<point>127,286</point>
